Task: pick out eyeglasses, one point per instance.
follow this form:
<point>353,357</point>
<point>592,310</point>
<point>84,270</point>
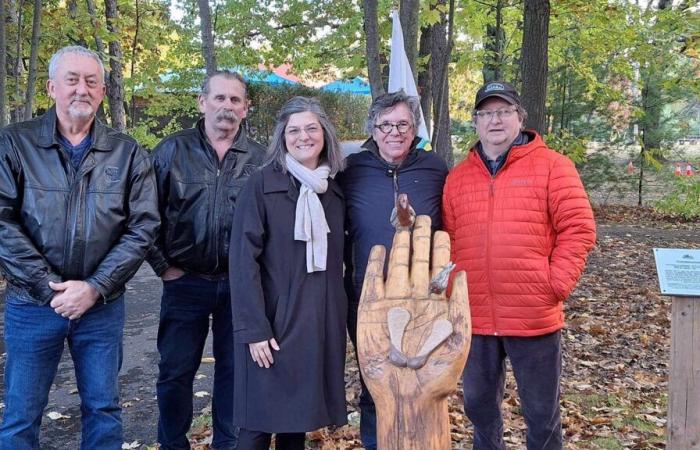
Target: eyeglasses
<point>311,130</point>
<point>387,127</point>
<point>488,115</point>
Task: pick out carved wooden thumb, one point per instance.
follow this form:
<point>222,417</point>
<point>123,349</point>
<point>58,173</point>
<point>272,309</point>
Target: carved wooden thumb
<point>413,341</point>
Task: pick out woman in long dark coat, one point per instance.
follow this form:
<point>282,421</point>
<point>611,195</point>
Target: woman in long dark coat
<point>286,269</point>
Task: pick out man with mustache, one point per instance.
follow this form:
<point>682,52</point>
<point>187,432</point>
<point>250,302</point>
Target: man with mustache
<point>78,213</point>
<point>199,172</point>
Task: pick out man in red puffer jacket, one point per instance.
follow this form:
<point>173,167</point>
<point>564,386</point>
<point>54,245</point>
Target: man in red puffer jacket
<point>521,227</point>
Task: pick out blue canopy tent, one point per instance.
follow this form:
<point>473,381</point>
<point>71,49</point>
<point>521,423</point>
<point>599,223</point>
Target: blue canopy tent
<point>250,75</point>
<point>357,86</point>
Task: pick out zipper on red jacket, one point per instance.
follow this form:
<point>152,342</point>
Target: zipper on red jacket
<point>489,225</point>
<point>488,252</point>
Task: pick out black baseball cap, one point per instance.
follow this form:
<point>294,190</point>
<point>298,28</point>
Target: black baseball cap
<point>499,89</point>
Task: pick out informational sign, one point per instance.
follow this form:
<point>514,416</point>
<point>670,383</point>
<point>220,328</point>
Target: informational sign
<point>678,270</point>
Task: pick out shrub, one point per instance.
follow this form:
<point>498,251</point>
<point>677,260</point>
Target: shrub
<point>684,200</point>
<point>346,111</point>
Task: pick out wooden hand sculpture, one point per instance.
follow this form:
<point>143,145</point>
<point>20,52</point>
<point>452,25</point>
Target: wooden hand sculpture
<point>412,344</point>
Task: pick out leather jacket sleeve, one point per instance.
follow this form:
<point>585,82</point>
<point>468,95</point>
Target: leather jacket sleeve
<point>124,259</point>
<point>21,262</point>
<point>156,257</point>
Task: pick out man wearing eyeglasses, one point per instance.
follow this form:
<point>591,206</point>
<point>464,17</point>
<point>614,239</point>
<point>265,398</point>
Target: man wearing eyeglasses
<point>521,226</point>
<point>390,164</point>
<point>199,172</point>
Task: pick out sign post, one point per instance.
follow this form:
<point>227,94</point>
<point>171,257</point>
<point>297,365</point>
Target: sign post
<point>679,276</point>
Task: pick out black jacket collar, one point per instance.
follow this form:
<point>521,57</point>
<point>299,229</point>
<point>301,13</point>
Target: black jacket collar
<point>47,132</point>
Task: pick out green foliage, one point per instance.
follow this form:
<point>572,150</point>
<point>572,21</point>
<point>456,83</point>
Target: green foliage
<point>143,135</point>
<point>684,200</point>
<point>469,53</point>
<point>600,86</point>
<point>564,141</point>
<point>619,71</point>
<point>463,137</point>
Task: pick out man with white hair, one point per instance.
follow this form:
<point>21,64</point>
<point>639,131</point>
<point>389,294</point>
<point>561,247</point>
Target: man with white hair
<point>78,212</point>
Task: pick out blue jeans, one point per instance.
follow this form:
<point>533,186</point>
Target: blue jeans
<point>34,340</point>
<point>368,412</point>
<point>185,308</point>
<point>536,363</point>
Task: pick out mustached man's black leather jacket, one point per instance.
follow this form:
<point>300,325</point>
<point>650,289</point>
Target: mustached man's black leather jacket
<point>197,196</point>
<point>95,225</point>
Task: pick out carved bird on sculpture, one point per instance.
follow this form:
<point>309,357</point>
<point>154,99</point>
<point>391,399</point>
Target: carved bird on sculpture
<point>403,216</point>
<point>439,282</point>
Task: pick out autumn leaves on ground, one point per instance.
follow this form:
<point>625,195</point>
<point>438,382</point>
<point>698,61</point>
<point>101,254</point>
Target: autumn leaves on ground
<point>616,347</point>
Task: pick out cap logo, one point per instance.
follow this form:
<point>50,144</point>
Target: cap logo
<point>495,87</point>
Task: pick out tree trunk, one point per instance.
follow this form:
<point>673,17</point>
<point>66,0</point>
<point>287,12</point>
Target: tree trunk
<point>73,14</point>
<point>99,44</point>
<point>495,45</point>
<point>440,58</point>
<point>374,70</point>
<point>408,14</point>
<point>564,84</point>
<point>33,56</point>
<point>208,51</point>
<point>534,62</point>
<point>72,8</point>
<point>134,49</point>
<point>425,81</point>
<point>652,105</point>
<point>3,67</point>
<point>15,63</point>
<point>116,78</point>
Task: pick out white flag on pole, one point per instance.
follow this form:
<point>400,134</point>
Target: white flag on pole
<point>400,74</point>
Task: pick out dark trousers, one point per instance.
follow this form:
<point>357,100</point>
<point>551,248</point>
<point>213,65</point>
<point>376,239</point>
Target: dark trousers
<point>536,363</point>
<point>368,412</point>
<point>257,440</point>
<point>186,306</point>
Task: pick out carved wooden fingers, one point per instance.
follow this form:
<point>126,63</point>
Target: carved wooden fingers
<point>412,340</point>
